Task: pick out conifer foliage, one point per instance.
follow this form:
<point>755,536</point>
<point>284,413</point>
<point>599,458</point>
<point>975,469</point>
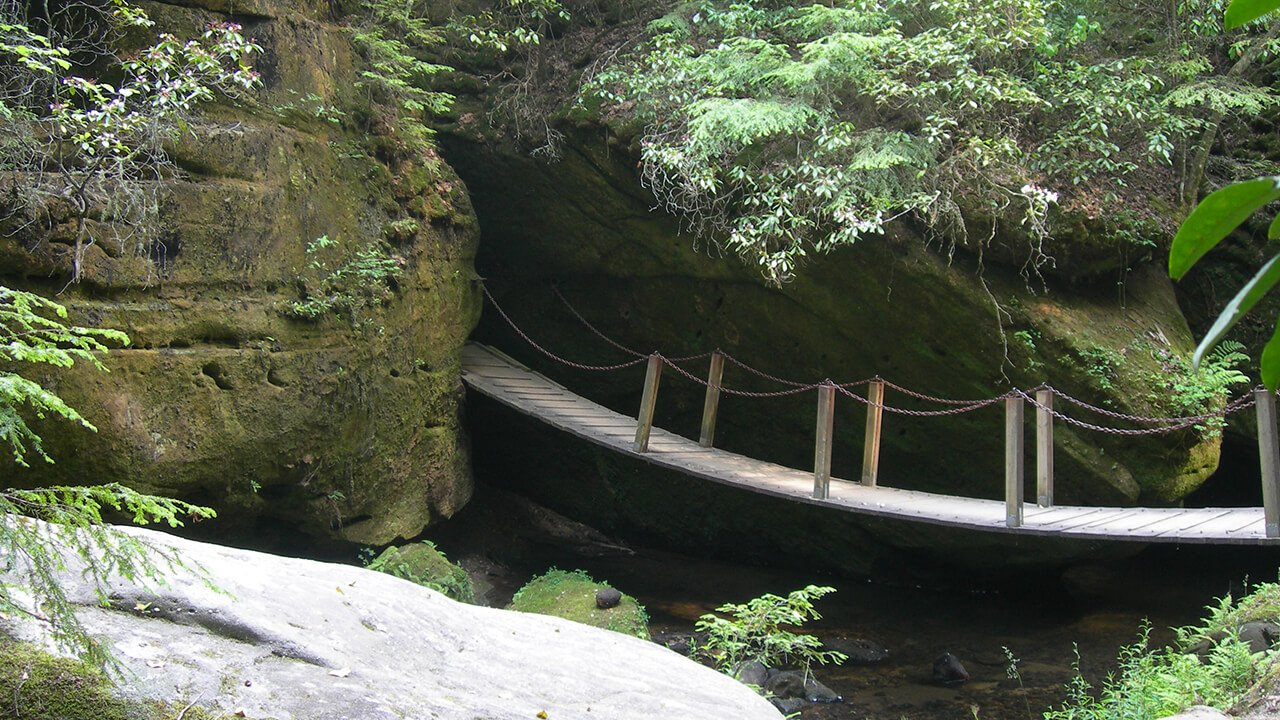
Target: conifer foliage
<point>780,129</point>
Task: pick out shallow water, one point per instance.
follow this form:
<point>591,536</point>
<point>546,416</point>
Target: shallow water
<point>1039,618</point>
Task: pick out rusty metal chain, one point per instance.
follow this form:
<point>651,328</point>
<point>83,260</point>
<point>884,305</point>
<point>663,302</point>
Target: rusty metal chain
<point>1141,419</point>
<point>767,376</point>
<point>732,391</point>
<point>548,353</point>
<point>932,399</point>
<point>1161,425</point>
<point>969,407</point>
<point>1185,423</point>
<point>596,331</point>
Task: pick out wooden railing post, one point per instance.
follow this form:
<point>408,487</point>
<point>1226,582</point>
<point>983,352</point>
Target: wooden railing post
<point>1044,448</point>
<point>648,401</point>
<point>871,441</point>
<point>822,443</point>
<point>711,405</point>
<point>1269,457</point>
<point>1013,465</point>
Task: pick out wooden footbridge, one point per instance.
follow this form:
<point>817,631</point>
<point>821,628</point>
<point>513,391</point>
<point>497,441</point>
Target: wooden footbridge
<point>495,375</point>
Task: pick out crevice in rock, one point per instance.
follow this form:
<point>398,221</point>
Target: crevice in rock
<point>215,372</point>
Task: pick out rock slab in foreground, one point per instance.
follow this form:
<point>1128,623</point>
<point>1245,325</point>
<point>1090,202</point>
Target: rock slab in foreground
<point>298,639</point>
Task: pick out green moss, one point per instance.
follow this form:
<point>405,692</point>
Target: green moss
<point>38,686</point>
<point>425,565</point>
<point>572,596</point>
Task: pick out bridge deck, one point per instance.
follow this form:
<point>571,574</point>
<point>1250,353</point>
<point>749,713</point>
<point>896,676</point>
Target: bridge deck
<point>531,393</point>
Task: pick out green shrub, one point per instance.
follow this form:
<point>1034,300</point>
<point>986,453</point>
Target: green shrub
<point>758,631</point>
<point>1151,683</point>
<point>424,564</point>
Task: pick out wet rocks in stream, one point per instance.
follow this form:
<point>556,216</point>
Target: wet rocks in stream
<point>948,670</point>
<point>1259,635</point>
<point>788,690</point>
<point>859,651</point>
<point>752,673</point>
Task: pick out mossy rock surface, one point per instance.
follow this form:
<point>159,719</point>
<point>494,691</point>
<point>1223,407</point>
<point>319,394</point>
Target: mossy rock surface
<point>572,595</point>
<point>343,427</point>
<point>35,685</point>
<point>425,565</point>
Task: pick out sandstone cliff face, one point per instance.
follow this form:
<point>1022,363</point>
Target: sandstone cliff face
<point>345,425</point>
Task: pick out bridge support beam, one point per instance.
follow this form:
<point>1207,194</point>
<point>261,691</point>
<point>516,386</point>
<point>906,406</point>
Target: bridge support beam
<point>1044,448</point>
<point>871,441</point>
<point>1269,457</point>
<point>822,444</point>
<point>648,401</point>
<point>1013,461</point>
<point>711,406</point>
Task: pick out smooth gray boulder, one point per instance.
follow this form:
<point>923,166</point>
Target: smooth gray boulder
<point>1200,712</point>
<point>300,640</point>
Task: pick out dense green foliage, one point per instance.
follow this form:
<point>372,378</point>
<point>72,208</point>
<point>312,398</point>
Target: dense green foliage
<point>763,630</point>
<point>1202,390</point>
<point>778,129</point>
<point>1155,683</point>
<point>77,145</point>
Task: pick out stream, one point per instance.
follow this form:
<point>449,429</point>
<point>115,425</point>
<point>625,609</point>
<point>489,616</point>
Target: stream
<point>1042,618</point>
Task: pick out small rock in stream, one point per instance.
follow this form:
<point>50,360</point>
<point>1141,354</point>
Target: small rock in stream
<point>786,706</point>
<point>948,670</point>
<point>794,684</point>
<point>752,673</point>
<point>860,651</point>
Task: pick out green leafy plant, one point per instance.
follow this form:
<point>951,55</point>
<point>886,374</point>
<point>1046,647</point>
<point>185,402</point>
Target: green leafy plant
<point>366,280</point>
<point>758,630</point>
<point>309,107</point>
<point>1209,665</point>
<point>1192,390</point>
<point>1151,684</point>
<point>514,23</point>
<point>1220,213</point>
<point>1100,364</point>
<point>1227,614</point>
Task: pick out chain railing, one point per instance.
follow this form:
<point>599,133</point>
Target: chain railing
<point>1041,399</point>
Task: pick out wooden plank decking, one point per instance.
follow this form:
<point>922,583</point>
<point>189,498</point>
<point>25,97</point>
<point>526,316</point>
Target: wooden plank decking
<point>496,376</point>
